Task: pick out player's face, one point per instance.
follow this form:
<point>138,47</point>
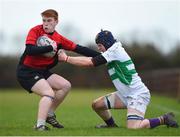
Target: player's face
<point>49,24</point>
<point>101,47</point>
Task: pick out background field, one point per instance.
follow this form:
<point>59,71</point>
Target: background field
<point>18,115</point>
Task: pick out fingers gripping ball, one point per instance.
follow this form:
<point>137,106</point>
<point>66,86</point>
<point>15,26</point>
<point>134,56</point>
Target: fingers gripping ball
<point>45,41</point>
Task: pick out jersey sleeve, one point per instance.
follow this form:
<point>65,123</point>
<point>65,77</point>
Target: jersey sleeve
<point>98,60</point>
<point>32,37</point>
<point>37,50</point>
<point>86,51</point>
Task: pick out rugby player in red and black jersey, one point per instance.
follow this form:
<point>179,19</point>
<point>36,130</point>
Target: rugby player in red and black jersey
<point>33,70</point>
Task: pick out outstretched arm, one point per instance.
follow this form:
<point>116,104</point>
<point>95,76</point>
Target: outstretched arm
<point>86,51</point>
<point>81,61</point>
<point>78,61</point>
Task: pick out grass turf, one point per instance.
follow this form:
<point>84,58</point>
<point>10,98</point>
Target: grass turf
<point>18,111</point>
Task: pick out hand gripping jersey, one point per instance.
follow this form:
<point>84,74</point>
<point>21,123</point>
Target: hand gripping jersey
<point>39,61</point>
<point>122,71</point>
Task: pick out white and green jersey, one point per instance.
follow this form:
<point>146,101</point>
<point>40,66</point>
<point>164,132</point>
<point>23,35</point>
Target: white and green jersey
<point>122,71</point>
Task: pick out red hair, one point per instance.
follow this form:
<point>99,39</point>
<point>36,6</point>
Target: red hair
<point>50,13</point>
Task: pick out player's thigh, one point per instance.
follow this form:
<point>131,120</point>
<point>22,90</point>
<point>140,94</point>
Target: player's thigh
<point>42,87</point>
<point>108,101</point>
<point>57,82</point>
<point>118,102</point>
<point>134,118</point>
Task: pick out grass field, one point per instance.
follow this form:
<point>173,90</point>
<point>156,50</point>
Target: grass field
<point>18,115</point>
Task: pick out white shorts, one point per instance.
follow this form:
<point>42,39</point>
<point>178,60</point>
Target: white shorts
<point>138,102</point>
<point>136,95</point>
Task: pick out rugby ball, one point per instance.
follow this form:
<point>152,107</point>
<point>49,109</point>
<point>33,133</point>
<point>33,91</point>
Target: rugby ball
<point>45,41</point>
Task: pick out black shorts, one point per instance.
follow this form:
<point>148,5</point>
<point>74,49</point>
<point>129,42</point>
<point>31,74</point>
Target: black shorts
<point>27,76</point>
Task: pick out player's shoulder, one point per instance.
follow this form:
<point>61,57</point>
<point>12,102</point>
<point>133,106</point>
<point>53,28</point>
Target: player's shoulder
<point>116,50</point>
<point>37,28</point>
<point>58,36</point>
<point>117,46</point>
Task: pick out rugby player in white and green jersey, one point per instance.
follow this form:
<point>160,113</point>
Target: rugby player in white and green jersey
<point>130,94</point>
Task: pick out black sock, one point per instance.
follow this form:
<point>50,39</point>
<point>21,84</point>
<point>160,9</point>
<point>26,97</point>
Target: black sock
<point>110,121</point>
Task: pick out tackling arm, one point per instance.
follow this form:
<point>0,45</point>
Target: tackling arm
<point>86,51</point>
<point>81,61</point>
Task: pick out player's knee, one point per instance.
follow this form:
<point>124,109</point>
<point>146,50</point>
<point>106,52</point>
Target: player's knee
<point>132,127</point>
<point>67,86</point>
<point>52,94</point>
<point>135,124</point>
<point>135,121</point>
<point>49,94</point>
<point>96,105</point>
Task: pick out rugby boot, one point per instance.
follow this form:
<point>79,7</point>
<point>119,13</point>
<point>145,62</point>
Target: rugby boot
<point>41,128</point>
<point>169,120</point>
<point>52,121</point>
<point>106,126</point>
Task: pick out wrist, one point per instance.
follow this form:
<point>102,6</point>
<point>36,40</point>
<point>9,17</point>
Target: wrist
<point>66,58</point>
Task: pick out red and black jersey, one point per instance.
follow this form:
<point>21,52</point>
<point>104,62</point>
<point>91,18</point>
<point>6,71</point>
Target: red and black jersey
<point>39,61</point>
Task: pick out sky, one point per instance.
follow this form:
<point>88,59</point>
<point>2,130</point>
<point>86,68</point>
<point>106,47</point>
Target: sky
<point>145,20</point>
